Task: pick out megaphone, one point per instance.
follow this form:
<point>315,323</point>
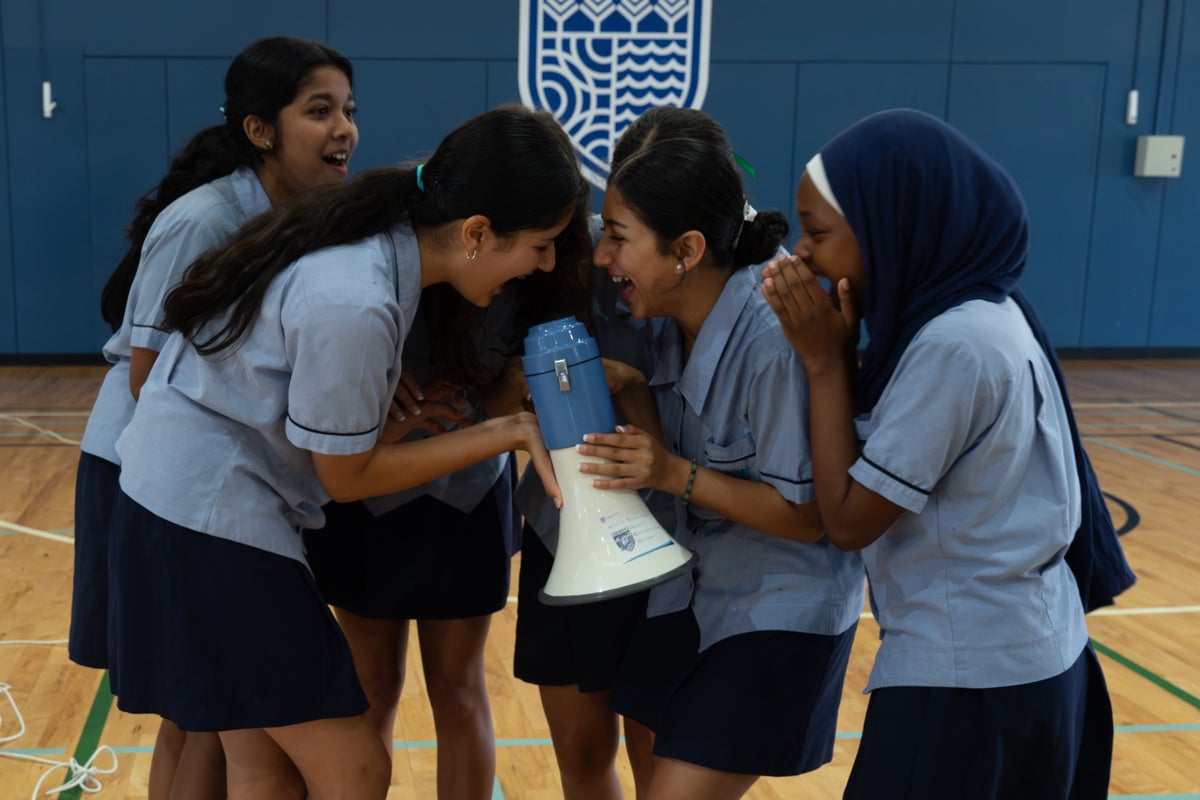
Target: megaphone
<point>609,544</point>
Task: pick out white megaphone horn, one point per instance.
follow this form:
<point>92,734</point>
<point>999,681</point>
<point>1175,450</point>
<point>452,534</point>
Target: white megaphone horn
<point>609,544</point>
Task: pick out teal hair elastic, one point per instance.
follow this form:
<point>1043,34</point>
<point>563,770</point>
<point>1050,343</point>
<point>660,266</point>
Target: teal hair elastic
<point>420,183</point>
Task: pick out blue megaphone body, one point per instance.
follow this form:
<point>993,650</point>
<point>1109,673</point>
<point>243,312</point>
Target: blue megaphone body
<point>609,543</point>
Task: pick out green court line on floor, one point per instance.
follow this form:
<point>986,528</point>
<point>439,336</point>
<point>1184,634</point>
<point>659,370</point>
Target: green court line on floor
<point>1160,461</point>
<point>89,740</point>
<point>1138,669</point>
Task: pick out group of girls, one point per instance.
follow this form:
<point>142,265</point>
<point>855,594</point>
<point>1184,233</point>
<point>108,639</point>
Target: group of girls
<point>315,432</point>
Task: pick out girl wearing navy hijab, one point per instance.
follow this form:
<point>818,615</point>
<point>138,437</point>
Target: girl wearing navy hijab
<point>961,479</point>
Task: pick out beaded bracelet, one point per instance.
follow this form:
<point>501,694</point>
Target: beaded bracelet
<point>687,493</point>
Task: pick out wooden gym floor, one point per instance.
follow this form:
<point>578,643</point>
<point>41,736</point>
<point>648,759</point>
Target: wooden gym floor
<point>1141,420</point>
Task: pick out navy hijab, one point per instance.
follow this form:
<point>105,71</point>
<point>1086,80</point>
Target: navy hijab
<point>939,223</point>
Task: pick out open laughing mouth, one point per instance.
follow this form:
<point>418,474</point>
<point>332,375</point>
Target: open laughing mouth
<point>338,159</point>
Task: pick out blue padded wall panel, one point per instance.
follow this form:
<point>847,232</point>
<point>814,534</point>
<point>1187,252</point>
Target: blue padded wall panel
<point>49,210</point>
<point>1040,123</point>
<point>1034,30</point>
<point>127,155</point>
<point>831,96</point>
<point>423,30</point>
<point>194,96</point>
<point>502,82</point>
<point>218,28</point>
<point>756,104</point>
<point>8,322</point>
<point>406,107</point>
<point>811,30</point>
<point>502,89</point>
<point>1128,212</point>
<point>1175,319</point>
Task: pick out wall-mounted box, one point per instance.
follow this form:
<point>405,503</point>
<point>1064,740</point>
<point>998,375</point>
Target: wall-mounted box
<point>1158,157</point>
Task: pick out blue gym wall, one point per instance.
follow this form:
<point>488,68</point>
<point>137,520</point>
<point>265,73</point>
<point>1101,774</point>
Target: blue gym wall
<point>1041,84</point>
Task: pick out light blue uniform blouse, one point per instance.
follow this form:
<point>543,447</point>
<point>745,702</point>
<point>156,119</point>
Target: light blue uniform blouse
<point>201,219</point>
<point>970,436</point>
<point>740,406</point>
<point>222,444</point>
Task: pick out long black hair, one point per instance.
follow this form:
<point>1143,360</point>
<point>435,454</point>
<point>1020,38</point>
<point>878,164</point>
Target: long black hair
<point>674,168</point>
<point>262,79</point>
<point>515,166</point>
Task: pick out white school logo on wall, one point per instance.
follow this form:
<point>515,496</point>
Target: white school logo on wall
<point>598,64</point>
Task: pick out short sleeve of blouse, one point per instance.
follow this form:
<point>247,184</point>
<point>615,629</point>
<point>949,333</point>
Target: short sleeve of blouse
<point>341,354</point>
<point>778,416</point>
<point>940,399</point>
<point>168,253</point>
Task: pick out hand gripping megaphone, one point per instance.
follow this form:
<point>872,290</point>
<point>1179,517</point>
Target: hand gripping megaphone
<point>609,544</point>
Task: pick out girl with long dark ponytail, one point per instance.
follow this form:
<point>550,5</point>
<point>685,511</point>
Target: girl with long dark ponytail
<point>288,126</point>
<point>738,668</point>
<point>272,397</point>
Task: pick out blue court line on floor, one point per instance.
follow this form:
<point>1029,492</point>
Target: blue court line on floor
<point>1195,726</point>
<point>428,745</point>
<point>497,792</point>
<point>61,531</point>
<point>1161,462</point>
<point>37,751</point>
<point>47,443</point>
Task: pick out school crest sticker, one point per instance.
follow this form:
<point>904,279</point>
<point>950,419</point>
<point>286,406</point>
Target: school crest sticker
<point>598,64</point>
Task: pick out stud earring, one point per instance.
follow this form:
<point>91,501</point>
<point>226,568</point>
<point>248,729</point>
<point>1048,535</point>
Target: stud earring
<point>267,144</point>
<point>679,267</point>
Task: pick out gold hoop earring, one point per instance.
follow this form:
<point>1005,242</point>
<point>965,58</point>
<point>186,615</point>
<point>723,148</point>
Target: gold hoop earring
<point>472,254</point>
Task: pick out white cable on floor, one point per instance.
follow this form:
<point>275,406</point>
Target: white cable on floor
<point>44,431</point>
<point>83,775</point>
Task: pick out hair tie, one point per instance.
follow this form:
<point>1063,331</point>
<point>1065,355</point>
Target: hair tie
<point>749,214</point>
<point>420,183</point>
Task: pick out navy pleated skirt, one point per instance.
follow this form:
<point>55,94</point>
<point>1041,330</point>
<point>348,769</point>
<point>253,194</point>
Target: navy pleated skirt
<point>760,703</point>
<point>215,635</point>
<point>96,486</point>
<point>423,560</point>
<point>1049,740</point>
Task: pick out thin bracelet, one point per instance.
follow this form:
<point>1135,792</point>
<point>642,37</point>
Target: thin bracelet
<point>687,493</point>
